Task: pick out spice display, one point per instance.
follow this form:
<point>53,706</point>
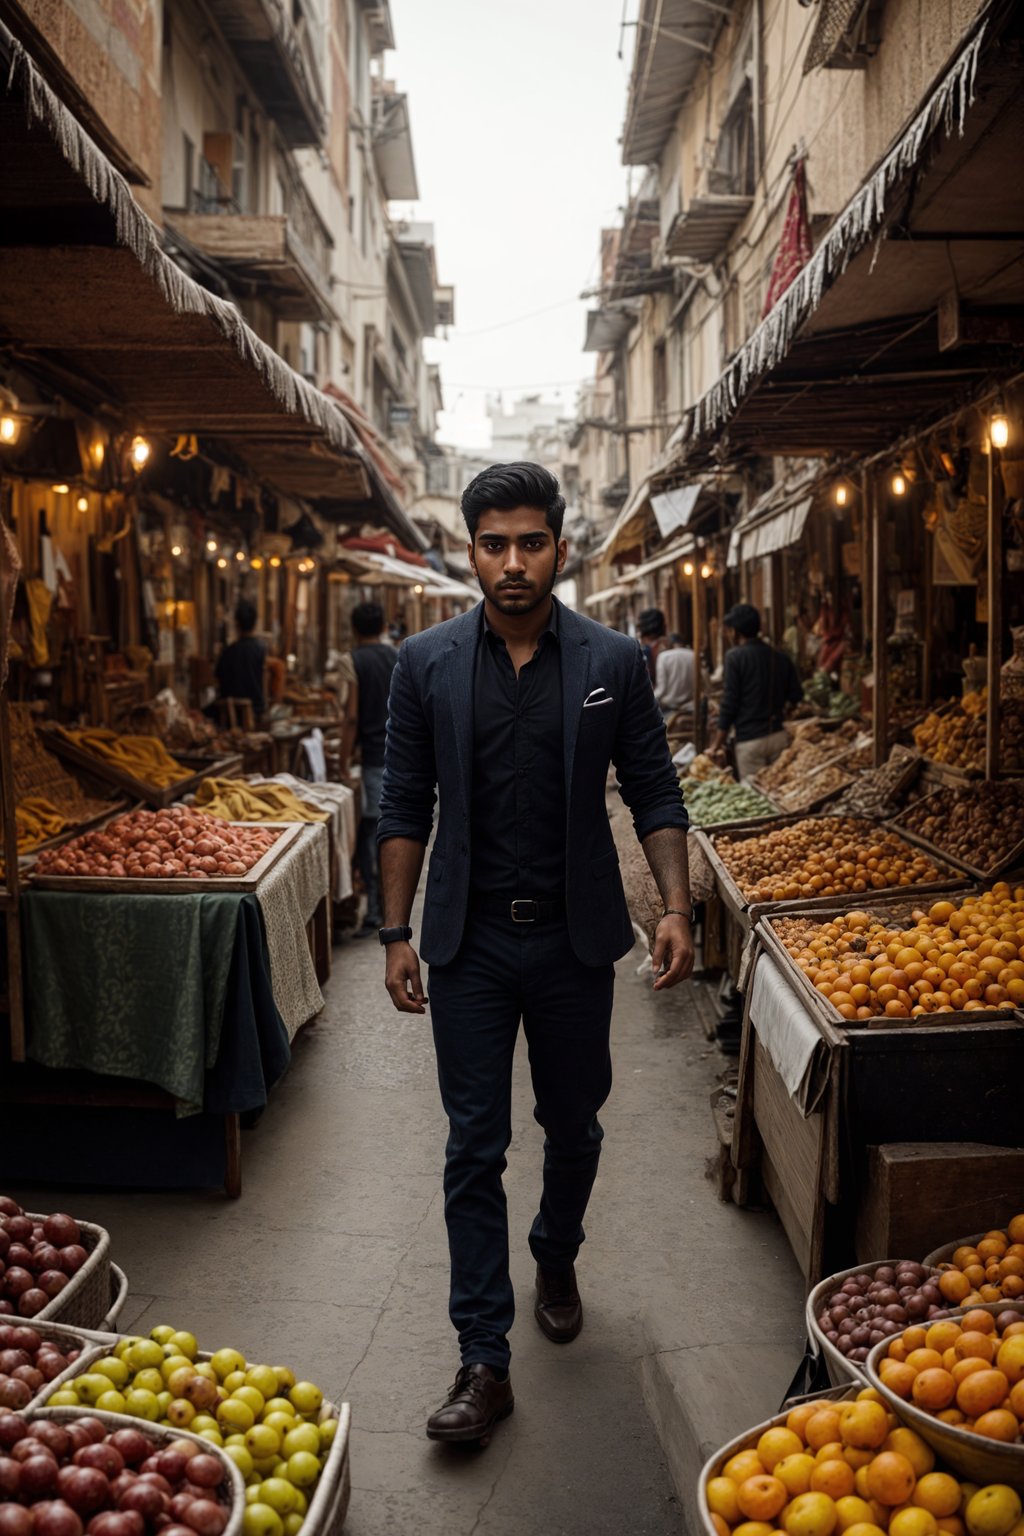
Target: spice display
<point>174,844</point>
<point>235,800</point>
<point>274,1428</point>
<point>832,1467</point>
<point>966,1371</point>
<point>875,791</point>
<point>979,823</point>
<point>948,959</point>
<point>872,1306</point>
<point>990,1270</point>
<point>822,856</point>
<point>38,1256</point>
<point>957,738</point>
<point>711,802</point>
<point>141,757</point>
<point>811,748</point>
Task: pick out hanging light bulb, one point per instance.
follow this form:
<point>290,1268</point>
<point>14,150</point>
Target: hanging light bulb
<point>97,452</point>
<point>688,568</point>
<point>222,564</point>
<point>256,562</point>
<point>60,489</point>
<point>418,589</point>
<point>82,504</point>
<point>10,430</point>
<point>275,561</point>
<point>140,451</point>
<point>705,570</point>
<point>898,484</point>
<point>175,550</point>
<point>999,427</point>
<point>211,546</point>
<point>239,554</point>
<point>842,494</point>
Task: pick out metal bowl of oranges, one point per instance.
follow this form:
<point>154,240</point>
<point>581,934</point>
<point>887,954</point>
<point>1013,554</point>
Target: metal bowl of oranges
<point>959,1382</point>
<point>991,1264</point>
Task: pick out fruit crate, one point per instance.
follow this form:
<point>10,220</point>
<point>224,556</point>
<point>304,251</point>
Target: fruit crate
<point>1012,858</point>
<point>86,1300</point>
<point>161,1437</point>
<point>897,909</point>
<point>974,1457</point>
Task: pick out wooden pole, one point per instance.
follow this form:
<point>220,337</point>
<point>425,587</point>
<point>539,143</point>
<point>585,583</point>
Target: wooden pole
<point>879,693</point>
<point>928,621</point>
<point>995,620</point>
<point>698,644</point>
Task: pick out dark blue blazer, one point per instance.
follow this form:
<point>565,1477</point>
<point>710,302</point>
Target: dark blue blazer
<point>610,716</point>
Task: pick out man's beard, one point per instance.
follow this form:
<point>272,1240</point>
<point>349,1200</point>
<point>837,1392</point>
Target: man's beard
<point>518,598</point>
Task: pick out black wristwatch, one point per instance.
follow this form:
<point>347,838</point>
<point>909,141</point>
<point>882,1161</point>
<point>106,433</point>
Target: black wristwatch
<point>395,935</point>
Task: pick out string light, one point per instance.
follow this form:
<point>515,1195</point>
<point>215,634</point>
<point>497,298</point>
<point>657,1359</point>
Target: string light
<point>82,504</point>
<point>418,589</point>
<point>999,428</point>
<point>275,561</point>
<point>688,568</point>
<point>706,570</point>
<point>140,451</point>
<point>222,564</point>
<point>175,550</point>
<point>898,485</point>
<point>842,494</point>
<point>211,546</point>
<point>256,562</point>
<point>239,554</point>
<point>60,490</point>
<point>97,452</point>
<point>10,430</point>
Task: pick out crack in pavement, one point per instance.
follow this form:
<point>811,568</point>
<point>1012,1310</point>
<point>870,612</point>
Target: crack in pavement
<point>494,1488</point>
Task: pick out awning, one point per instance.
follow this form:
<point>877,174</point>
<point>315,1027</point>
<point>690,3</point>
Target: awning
<point>93,305</point>
<point>673,43</point>
<point>779,532</point>
<point>673,509</point>
<point>677,551</point>
<point>628,527</point>
<point>776,519</point>
<point>607,327</point>
<point>605,595</point>
<point>399,573</point>
<point>850,358</point>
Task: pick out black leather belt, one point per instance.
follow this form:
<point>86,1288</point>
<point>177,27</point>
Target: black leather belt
<point>520,909</point>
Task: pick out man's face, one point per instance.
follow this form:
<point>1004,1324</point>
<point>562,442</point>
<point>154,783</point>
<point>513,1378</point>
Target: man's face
<point>516,559</point>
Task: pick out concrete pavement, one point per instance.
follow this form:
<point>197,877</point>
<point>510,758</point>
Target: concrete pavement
<point>335,1261</point>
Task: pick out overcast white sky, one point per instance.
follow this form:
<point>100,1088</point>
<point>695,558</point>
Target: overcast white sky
<point>516,109</point>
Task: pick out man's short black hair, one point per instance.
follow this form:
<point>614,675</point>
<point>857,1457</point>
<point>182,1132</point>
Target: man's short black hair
<point>651,622</point>
<point>245,616</point>
<point>504,487</point>
<point>744,619</point>
<point>368,619</point>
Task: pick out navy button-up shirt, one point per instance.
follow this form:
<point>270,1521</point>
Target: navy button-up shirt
<point>518,811</point>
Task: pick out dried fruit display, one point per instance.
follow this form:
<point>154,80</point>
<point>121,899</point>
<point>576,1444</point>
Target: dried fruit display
<point>709,802</point>
<point>832,1467</point>
<point>958,738</point>
<point>980,823</point>
<point>967,1371</point>
<point>811,748</point>
<point>990,1270</point>
<point>823,856</point>
<point>178,843</point>
<point>949,959</point>
<point>875,791</point>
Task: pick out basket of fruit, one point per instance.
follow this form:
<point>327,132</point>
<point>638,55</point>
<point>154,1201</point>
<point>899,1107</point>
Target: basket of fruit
<point>57,1268</point>
<point>289,1444</point>
<point>838,1465</point>
<point>991,1265</point>
<point>100,1472</point>
<point>959,1382</point>
<point>851,1311</point>
<point>118,1297</point>
<point>37,1358</point>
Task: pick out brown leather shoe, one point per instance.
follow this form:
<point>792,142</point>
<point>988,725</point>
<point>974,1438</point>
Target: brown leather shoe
<point>558,1309</point>
<point>475,1404</point>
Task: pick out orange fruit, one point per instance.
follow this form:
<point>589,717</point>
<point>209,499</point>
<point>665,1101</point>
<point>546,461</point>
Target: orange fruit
<point>822,1428</point>
<point>1017,1399</point>
<point>944,1334</point>
<point>864,1424</point>
<point>971,1342</point>
<point>795,1471</point>
<point>743,1465</point>
<point>761,1497</point>
<point>954,1285</point>
<point>796,1419</point>
<point>952,1525</point>
<point>858,1459</point>
<point>722,1499</point>
<point>832,1450</point>
<point>910,1445</point>
<point>998,1424</point>
<point>890,1478</point>
<point>933,1389</point>
<point>1015,1229</point>
<point>1010,1358</point>
<point>981,1391</point>
<point>897,1376</point>
<point>924,1359</point>
<point>810,1514</point>
<point>753,1528</point>
<point>851,1510</point>
<point>722,1527</point>
<point>967,1367</point>
<point>913,1521</point>
<point>777,1442</point>
<point>836,1478</point>
<point>914,1337</point>
<point>937,1492</point>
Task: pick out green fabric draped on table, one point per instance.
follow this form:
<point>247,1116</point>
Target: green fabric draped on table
<point>130,986</point>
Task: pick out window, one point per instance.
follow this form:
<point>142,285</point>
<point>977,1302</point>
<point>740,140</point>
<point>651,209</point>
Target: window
<point>660,379</point>
<point>732,173</point>
<point>188,170</point>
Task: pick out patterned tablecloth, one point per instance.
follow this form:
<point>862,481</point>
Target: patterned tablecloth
<point>288,895</point>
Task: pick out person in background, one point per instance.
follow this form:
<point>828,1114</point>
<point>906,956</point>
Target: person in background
<point>239,667</point>
<point>365,724</point>
<point>673,677</point>
<point>650,628</point>
<point>277,676</point>
<point>758,684</point>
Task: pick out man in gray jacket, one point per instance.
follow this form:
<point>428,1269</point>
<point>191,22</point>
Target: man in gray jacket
<point>513,713</point>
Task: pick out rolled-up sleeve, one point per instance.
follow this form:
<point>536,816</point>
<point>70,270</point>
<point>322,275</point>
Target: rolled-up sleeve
<point>410,781</point>
<point>647,780</point>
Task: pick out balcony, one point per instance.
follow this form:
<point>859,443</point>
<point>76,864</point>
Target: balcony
<point>279,56</point>
<point>392,144</point>
<point>283,258</point>
<point>703,230</point>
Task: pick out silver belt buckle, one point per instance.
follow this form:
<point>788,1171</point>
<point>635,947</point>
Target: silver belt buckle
<point>519,903</point>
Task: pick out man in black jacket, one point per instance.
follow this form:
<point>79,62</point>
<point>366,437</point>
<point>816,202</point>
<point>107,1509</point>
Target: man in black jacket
<point>513,713</point>
<point>758,685</point>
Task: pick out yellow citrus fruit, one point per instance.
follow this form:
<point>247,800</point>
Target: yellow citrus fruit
<point>776,1443</point>
<point>939,1493</point>
<point>912,1521</point>
<point>852,1510</point>
<point>795,1471</point>
<point>810,1514</point>
<point>722,1499</point>
<point>993,1511</point>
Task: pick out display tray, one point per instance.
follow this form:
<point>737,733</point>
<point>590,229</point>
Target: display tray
<point>896,909</point>
<point>158,797</point>
<point>747,913</point>
<point>226,765</point>
<point>289,831</point>
<point>1010,860</point>
<point>818,800</point>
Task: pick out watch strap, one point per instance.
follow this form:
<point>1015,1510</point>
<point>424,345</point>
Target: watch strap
<point>398,935</point>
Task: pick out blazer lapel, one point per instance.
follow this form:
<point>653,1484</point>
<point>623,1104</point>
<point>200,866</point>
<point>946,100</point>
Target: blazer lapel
<point>575,675</point>
<point>460,668</point>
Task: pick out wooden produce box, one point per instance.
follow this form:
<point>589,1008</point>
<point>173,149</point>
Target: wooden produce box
<point>158,797</point>
<point>918,1194</point>
<point>1011,859</point>
<point>159,886</point>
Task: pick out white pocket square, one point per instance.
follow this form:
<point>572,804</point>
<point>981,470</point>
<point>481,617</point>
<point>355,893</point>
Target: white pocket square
<point>596,697</point>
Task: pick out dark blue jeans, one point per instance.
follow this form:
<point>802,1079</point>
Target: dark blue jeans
<point>502,973</point>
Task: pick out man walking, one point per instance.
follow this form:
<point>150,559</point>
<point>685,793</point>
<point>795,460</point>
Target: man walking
<point>513,712</point>
<point>366,713</point>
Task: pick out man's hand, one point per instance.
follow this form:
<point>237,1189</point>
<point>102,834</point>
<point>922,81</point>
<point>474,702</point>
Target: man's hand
<point>673,949</point>
<point>402,978</point>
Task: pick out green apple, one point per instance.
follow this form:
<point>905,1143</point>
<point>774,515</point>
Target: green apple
<point>304,1437</point>
<point>114,1369</point>
<point>111,1402</point>
<point>303,1469</point>
<point>239,1455</point>
<point>186,1344</point>
<point>260,1520</point>
<point>141,1404</point>
<point>279,1494</point>
<point>233,1414</point>
<point>225,1361</point>
<point>143,1353</point>
<point>64,1398</point>
<point>306,1397</point>
<point>163,1333</point>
